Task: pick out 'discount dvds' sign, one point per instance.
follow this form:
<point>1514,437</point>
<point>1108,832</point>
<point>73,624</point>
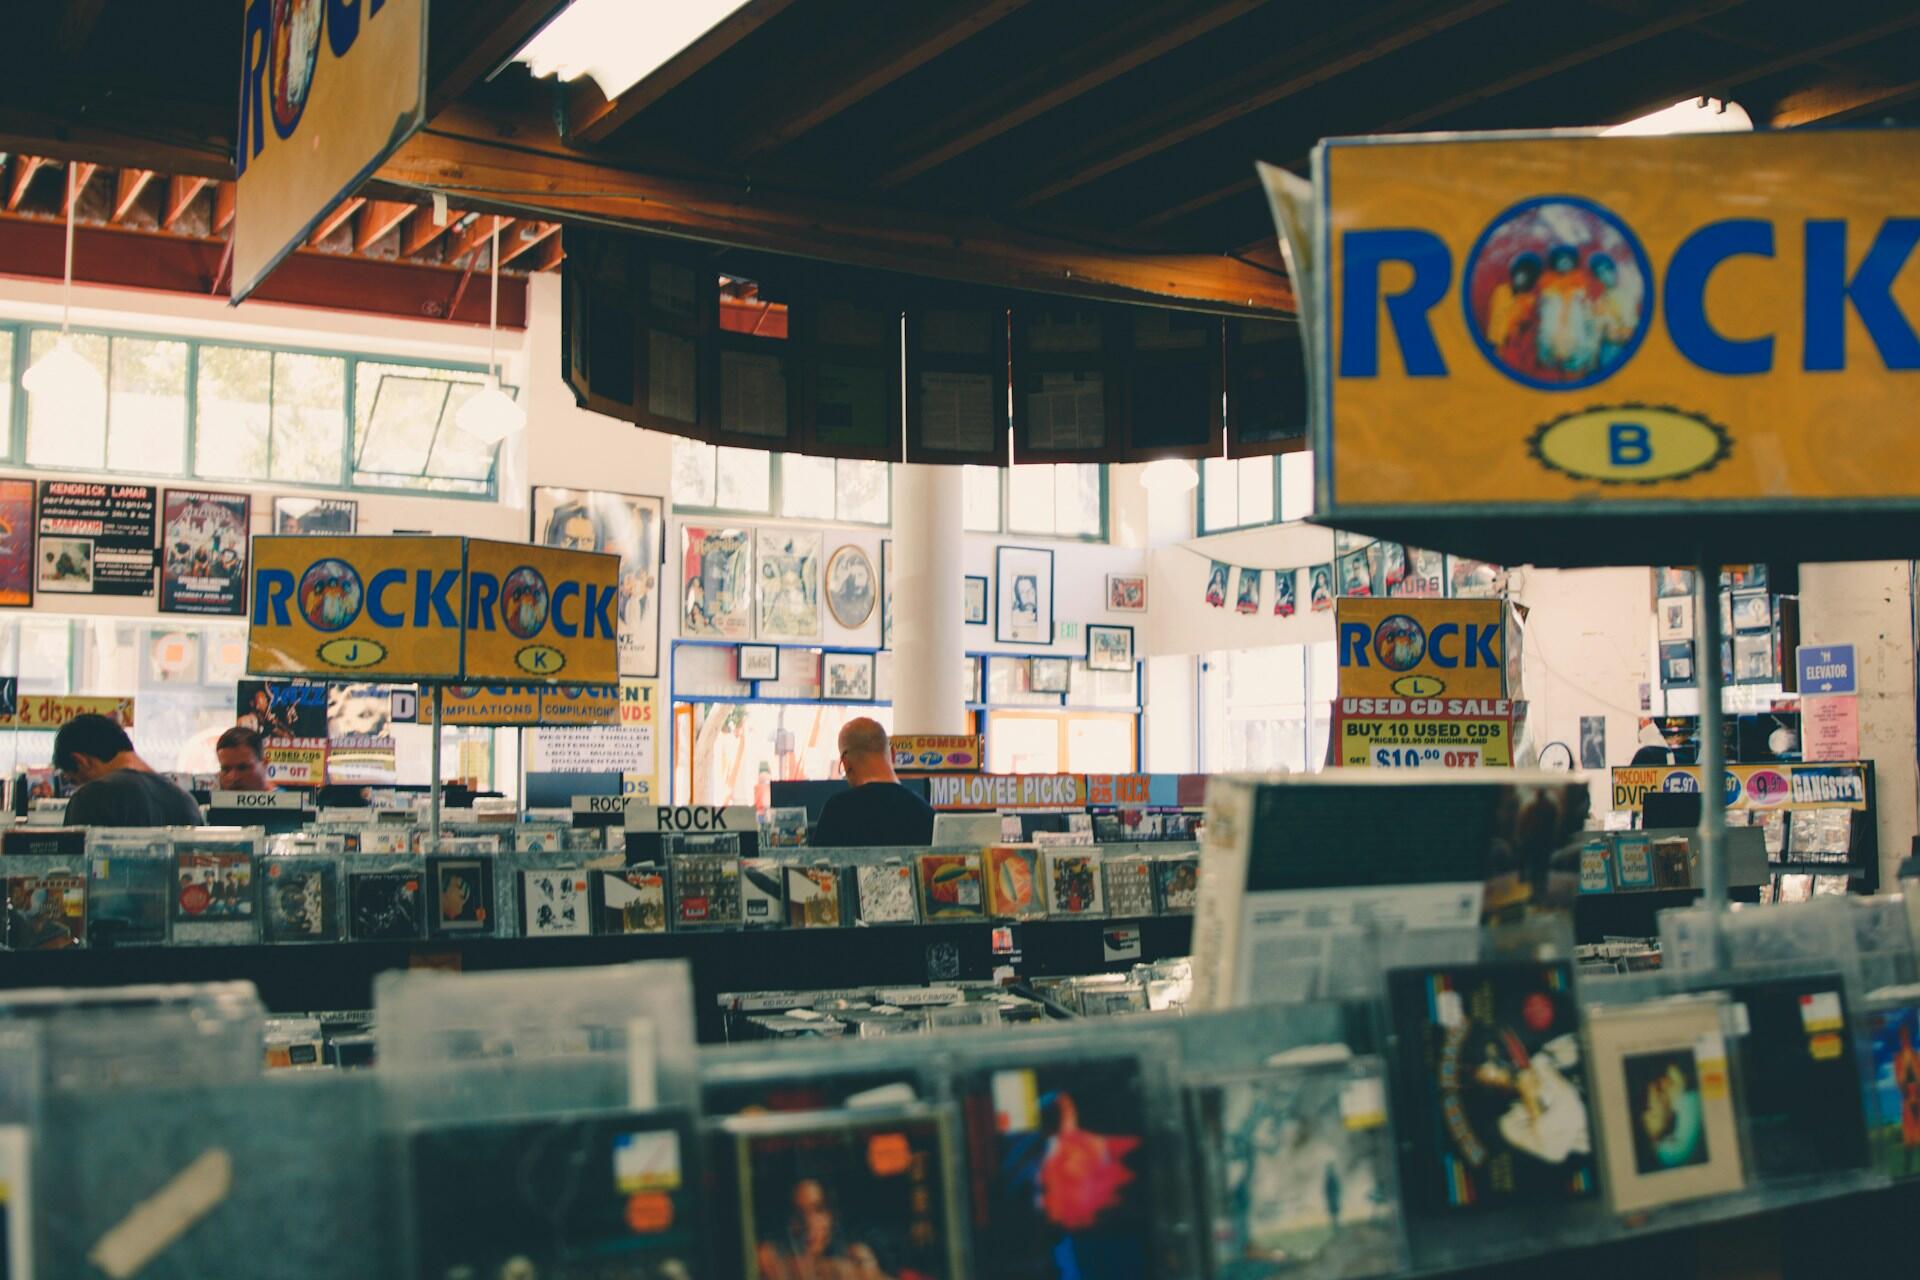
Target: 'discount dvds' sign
<point>431,608</point>
<point>1516,321</point>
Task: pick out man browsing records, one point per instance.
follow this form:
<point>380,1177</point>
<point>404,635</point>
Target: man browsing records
<point>243,760</point>
<point>875,809</point>
<point>118,789</point>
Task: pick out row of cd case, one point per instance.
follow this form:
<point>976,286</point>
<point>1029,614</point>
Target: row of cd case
<point>213,888</point>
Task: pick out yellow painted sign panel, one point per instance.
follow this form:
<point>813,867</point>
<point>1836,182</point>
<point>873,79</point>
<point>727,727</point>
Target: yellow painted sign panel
<point>542,614</point>
<point>1418,648</point>
<point>328,89</point>
<point>1509,322</point>
<point>1424,733</point>
<point>361,607</point>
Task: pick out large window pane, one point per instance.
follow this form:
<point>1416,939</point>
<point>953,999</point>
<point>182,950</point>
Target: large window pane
<point>806,486</point>
<point>1100,744</point>
<point>1219,495</point>
<point>405,429</point>
<point>1077,503</point>
<point>693,468</point>
<point>1256,490</point>
<point>1296,486</point>
<point>309,417</point>
<point>147,406</point>
<point>233,410</point>
<point>6,380</point>
<point>982,498</point>
<point>61,431</point>
<point>743,479</point>
<point>456,454</point>
<point>861,491</point>
<point>1030,498</point>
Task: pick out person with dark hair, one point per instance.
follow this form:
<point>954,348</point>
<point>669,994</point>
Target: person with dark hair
<point>243,760</point>
<point>118,789</point>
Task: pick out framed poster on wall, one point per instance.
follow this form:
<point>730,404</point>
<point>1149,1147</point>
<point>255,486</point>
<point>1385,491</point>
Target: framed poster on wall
<point>631,526</point>
<point>97,539</point>
<point>1023,610</point>
<point>716,579</point>
<point>787,571</point>
<point>315,515</point>
<point>852,588</point>
<point>16,544</point>
<point>203,552</point>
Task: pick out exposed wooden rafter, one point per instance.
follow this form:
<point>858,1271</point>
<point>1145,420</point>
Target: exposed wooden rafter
<point>474,235</point>
<point>181,193</point>
<point>815,99</point>
<point>224,197</point>
<point>377,218</point>
<point>526,237</point>
<point>592,119</point>
<point>336,219</point>
<point>24,169</point>
<point>127,191</point>
<point>78,179</point>
<point>423,231</point>
<point>1840,100</point>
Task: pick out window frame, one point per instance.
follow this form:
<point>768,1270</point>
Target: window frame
<point>1002,527</point>
<point>1200,527</point>
<point>20,332</point>
<point>776,475</point>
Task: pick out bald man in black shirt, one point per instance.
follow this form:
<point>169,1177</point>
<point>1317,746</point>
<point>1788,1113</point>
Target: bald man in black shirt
<point>875,809</point>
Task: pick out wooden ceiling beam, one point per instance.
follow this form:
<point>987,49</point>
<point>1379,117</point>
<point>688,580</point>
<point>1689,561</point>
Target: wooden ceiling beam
<point>77,182</point>
<point>377,218</point>
<point>181,193</point>
<point>932,30</point>
<point>489,34</point>
<point>44,134</point>
<point>591,119</point>
<point>336,219</point>
<point>528,237</point>
<point>553,255</point>
<point>423,231</point>
<point>1106,56</point>
<point>555,183</point>
<point>1836,101</point>
<point>224,196</point>
<point>1312,61</point>
<point>476,233</point>
<point>24,169</point>
<point>127,190</point>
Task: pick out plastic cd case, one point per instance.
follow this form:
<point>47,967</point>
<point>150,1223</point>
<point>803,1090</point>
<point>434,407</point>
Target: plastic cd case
<point>1179,883</point>
<point>214,891</point>
<point>1075,888</point>
<point>1492,1094</point>
<point>579,1195</point>
<point>46,912</point>
<point>1798,1076</point>
<point>1129,886</point>
<point>706,890</point>
<point>300,897</point>
<point>885,893</point>
<point>763,894</point>
<point>1662,1087</point>
<point>847,1193</point>
<point>950,887</point>
<point>1297,1168</point>
<point>128,896</point>
<point>1893,1038</point>
<point>1633,860</point>
<point>632,901</point>
<point>813,896</point>
<point>383,905</point>
<point>554,903</point>
<point>1064,1167</point>
<point>1013,882</point>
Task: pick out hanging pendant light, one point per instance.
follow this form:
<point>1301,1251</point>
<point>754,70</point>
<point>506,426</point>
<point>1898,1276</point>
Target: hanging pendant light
<point>490,414</point>
<point>64,375</point>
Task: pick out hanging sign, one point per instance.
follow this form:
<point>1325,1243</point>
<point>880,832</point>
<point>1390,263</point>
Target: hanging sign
<point>328,90</point>
<point>1827,668</point>
<point>1007,791</point>
<point>1751,786</point>
<point>528,706</point>
<point>933,753</point>
<point>363,607</point>
<point>1424,733</point>
<point>541,613</point>
<point>1505,326</point>
<point>1421,648</point>
<point>50,711</point>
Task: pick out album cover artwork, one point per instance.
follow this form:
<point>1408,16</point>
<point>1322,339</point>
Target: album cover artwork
<point>46,912</point>
<point>212,882</point>
<point>1013,881</point>
<point>127,899</point>
<point>706,891</point>
<point>553,904</point>
<point>1493,1090</point>
<point>813,897</point>
<point>1129,887</point>
<point>600,1195</point>
<point>886,893</point>
<point>302,900</point>
<point>462,896</point>
<point>1062,1164</point>
<point>1894,1034</point>
<point>1074,884</point>
<point>1297,1167</point>
<point>1800,1083</point>
<point>633,901</point>
<point>1179,883</point>
<point>1660,1083</point>
<point>950,887</point>
<point>763,903</point>
<point>850,1193</point>
<point>384,904</point>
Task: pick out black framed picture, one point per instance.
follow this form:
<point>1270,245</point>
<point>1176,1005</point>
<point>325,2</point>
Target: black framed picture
<point>976,589</point>
<point>848,675</point>
<point>758,662</point>
<point>1023,608</point>
<point>1109,648</point>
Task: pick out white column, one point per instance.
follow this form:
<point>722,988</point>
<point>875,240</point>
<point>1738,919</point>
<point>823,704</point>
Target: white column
<point>929,606</point>
<point>1870,605</point>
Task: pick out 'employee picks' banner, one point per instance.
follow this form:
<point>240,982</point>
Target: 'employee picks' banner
<point>1500,324</point>
<point>1421,648</point>
<point>435,609</point>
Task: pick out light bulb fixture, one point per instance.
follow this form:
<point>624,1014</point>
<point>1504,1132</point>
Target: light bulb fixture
<point>490,415</point>
<point>63,374</point>
<point>618,42</point>
<point>1695,115</point>
<point>1169,476</point>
